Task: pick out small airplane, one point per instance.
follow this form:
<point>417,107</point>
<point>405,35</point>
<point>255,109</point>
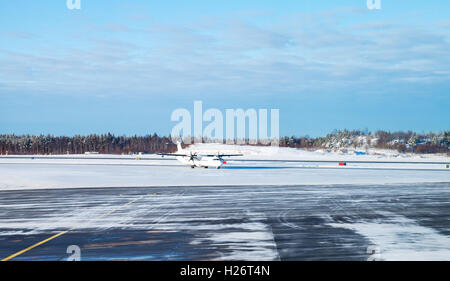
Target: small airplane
<point>199,160</point>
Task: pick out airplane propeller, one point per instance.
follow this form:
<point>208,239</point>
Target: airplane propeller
<point>192,156</point>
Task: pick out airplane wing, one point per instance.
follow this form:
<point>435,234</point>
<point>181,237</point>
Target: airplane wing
<point>173,154</point>
<point>224,155</point>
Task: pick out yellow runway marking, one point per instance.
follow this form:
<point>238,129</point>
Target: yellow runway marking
<point>66,231</point>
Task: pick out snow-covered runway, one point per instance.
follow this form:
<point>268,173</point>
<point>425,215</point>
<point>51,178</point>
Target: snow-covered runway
<point>270,205</point>
<point>321,222</point>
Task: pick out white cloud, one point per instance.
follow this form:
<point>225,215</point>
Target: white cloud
<point>232,55</point>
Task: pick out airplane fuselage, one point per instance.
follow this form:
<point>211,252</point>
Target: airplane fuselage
<point>202,162</point>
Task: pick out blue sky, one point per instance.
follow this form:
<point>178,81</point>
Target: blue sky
<point>123,66</point>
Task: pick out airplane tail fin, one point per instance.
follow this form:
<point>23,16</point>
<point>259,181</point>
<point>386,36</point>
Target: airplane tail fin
<point>179,147</point>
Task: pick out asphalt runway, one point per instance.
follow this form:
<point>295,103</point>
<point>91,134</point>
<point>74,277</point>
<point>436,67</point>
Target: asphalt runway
<point>328,222</point>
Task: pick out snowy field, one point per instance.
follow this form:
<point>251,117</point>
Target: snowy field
<point>259,165</point>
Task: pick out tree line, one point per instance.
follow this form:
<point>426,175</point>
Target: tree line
<point>363,139</point>
<point>105,143</point>
<point>111,144</point>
